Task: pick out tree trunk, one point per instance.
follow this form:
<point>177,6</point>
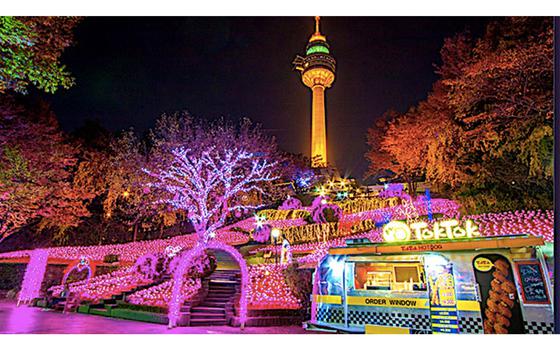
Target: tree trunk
<point>135,232</point>
<point>161,231</point>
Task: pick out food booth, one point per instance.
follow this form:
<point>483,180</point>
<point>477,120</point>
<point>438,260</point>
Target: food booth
<point>441,277</point>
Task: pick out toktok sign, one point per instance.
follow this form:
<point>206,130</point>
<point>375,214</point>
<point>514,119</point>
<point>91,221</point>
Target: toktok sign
<point>449,229</point>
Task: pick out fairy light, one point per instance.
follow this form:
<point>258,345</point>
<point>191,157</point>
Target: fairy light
<point>34,274</point>
<point>177,298</point>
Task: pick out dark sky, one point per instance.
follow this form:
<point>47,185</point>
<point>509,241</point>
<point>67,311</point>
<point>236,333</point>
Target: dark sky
<point>130,70</point>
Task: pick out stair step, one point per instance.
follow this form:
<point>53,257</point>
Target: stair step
<point>208,315</point>
<point>221,296</point>
<point>216,300</point>
<point>208,322</point>
<point>214,304</point>
<point>207,309</point>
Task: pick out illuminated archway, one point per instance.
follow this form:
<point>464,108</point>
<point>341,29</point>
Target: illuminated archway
<point>184,263</point>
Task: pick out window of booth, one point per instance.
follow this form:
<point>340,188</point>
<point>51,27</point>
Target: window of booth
<point>389,276</point>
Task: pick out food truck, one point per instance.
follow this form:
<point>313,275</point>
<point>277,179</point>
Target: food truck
<point>440,277</point>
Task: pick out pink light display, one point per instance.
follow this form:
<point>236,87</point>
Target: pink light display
<point>130,252</point>
<point>106,285</point>
<point>177,297</point>
<point>268,288</point>
<point>34,274</point>
<point>291,204</point>
<point>537,223</point>
<point>160,295</point>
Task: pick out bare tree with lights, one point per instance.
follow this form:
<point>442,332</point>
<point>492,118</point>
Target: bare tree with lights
<point>210,183</point>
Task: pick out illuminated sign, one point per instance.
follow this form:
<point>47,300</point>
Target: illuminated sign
<point>483,264</point>
<point>389,302</point>
<point>395,231</point>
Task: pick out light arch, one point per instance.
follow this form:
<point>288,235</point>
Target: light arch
<point>178,277</point>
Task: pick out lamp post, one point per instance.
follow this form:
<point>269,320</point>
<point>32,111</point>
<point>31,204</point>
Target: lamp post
<point>275,233</point>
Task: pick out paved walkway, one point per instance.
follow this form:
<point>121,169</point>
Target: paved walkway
<point>25,319</point>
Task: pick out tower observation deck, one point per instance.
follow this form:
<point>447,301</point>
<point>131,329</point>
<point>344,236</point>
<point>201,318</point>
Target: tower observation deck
<point>317,69</point>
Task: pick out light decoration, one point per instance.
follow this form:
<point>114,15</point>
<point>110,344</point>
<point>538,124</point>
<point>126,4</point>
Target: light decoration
<point>147,265</point>
<point>291,204</point>
<point>205,185</point>
<point>129,252</point>
<point>34,274</point>
<point>449,229</point>
<point>280,215</point>
<point>367,204</point>
<point>275,233</point>
<point>185,261</point>
<point>408,210</point>
<point>428,199</point>
<point>538,223</point>
<point>106,285</point>
<point>80,266</point>
<point>268,288</point>
<point>260,220</point>
<point>160,295</point>
<point>262,234</point>
<point>172,251</point>
<point>318,210</point>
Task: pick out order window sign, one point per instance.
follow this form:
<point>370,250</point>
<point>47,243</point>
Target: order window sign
<point>395,231</point>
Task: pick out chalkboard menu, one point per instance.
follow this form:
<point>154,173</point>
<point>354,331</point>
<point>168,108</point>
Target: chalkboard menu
<point>533,284</point>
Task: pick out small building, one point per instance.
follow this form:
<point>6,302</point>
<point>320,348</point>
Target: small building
<point>448,282</point>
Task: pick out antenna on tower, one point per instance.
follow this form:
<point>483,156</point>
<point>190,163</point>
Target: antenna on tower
<point>317,19</point>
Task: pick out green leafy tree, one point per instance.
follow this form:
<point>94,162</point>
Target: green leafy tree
<point>30,51</point>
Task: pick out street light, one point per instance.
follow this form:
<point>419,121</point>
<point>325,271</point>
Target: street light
<point>275,233</point>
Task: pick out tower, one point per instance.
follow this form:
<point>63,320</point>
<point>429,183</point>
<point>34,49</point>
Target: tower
<point>317,72</point>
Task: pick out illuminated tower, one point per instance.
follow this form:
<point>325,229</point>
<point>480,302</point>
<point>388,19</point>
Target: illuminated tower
<point>317,72</point>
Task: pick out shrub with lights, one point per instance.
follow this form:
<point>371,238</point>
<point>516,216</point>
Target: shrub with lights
<point>262,233</point>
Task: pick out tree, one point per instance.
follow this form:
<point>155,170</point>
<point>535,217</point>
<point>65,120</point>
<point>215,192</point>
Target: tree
<point>37,165</point>
<point>378,158</point>
<point>115,175</point>
<point>30,51</point>
<point>401,149</point>
<point>208,175</point>
<point>485,131</point>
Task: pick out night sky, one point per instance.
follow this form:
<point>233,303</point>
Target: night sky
<point>130,70</point>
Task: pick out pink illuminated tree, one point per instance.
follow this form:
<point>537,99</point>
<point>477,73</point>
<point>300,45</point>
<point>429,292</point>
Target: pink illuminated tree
<point>209,186</point>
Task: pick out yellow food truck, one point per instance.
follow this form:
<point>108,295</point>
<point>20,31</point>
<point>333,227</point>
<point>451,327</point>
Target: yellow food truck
<point>439,277</point>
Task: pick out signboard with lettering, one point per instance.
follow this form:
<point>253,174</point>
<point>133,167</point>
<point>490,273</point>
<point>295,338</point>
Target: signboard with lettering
<point>533,284</point>
<point>396,231</point>
<point>389,302</point>
<point>443,300</point>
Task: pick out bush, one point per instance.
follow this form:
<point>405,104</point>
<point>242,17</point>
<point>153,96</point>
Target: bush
<point>262,234</point>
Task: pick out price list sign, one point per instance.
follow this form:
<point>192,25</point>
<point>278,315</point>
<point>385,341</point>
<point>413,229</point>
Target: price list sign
<point>443,302</point>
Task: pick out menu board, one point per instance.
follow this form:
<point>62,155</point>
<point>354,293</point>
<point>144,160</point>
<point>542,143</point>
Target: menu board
<point>443,301</point>
<point>533,284</point>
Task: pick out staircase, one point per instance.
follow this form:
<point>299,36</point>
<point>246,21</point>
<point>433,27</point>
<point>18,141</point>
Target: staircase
<point>216,308</point>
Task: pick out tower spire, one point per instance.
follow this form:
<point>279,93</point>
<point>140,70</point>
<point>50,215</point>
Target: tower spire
<point>317,72</point>
<point>317,19</point>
